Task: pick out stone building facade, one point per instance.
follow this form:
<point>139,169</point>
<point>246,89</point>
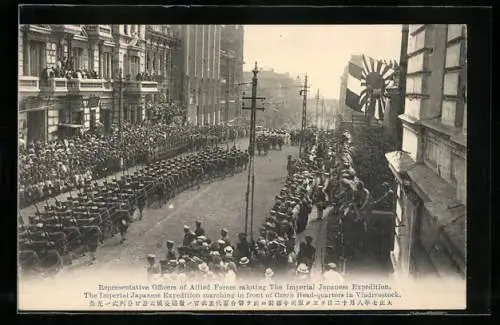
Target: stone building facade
<point>212,59</point>
<point>431,168</point>
<point>201,73</point>
<point>231,70</point>
<point>55,107</point>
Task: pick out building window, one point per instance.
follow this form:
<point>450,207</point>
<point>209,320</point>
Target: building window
<point>36,62</point>
<point>126,29</point>
<point>134,66</point>
<point>77,58</point>
<point>455,77</point>
<point>106,65</point>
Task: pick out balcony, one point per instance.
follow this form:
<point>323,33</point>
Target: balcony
<point>142,87</point>
<point>99,31</point>
<point>81,86</point>
<point>55,85</point>
<point>69,29</point>
<point>41,29</point>
<point>29,85</point>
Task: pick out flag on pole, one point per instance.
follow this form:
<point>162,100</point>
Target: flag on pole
<point>367,80</point>
<point>354,87</point>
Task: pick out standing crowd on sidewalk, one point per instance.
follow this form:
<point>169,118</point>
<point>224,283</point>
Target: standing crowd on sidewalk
<point>47,169</point>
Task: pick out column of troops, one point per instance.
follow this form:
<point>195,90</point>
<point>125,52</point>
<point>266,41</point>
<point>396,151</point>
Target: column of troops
<point>75,227</point>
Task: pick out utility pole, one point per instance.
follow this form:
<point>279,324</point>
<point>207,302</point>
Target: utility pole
<point>303,93</point>
<point>120,110</point>
<point>120,104</point>
<point>226,115</point>
<point>251,149</point>
<point>317,109</point>
<point>322,113</point>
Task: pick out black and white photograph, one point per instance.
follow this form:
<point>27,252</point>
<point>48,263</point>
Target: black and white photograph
<point>242,167</point>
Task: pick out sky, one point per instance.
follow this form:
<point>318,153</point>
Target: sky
<point>321,51</point>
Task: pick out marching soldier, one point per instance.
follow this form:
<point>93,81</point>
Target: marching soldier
<point>141,203</point>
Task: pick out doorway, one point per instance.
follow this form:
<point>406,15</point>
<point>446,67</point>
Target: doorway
<point>36,126</point>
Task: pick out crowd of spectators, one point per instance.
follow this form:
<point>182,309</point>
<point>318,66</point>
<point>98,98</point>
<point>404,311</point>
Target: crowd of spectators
<point>49,168</point>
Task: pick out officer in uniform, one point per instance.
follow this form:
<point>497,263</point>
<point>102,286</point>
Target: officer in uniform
<point>199,231</point>
<point>171,253</point>
<point>224,236</point>
<point>141,203</point>
<point>309,253</point>
<point>187,236</point>
<point>243,246</point>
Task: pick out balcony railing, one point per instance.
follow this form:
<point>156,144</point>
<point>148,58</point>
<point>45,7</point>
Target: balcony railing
<point>29,84</point>
<point>71,29</point>
<point>86,85</point>
<point>55,85</point>
<point>137,87</point>
<point>99,30</point>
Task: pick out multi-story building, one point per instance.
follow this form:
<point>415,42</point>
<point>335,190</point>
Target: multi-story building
<point>162,45</point>
<point>201,74</point>
<point>282,101</point>
<point>431,168</point>
<point>69,76</point>
<point>231,70</point>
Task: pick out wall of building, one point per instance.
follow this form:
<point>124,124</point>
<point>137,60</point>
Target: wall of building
<point>434,145</point>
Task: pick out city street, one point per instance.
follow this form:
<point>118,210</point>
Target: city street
<point>217,205</point>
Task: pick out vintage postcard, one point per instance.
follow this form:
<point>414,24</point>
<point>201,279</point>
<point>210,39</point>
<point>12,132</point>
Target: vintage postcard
<point>242,167</point>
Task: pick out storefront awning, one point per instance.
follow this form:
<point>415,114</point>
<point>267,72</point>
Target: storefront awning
<point>73,126</point>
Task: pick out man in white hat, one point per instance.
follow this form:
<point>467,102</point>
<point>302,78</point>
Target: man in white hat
<point>302,272</point>
<point>268,276</point>
<point>153,268</point>
<point>243,270</point>
<point>331,274</point>
<point>230,275</point>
